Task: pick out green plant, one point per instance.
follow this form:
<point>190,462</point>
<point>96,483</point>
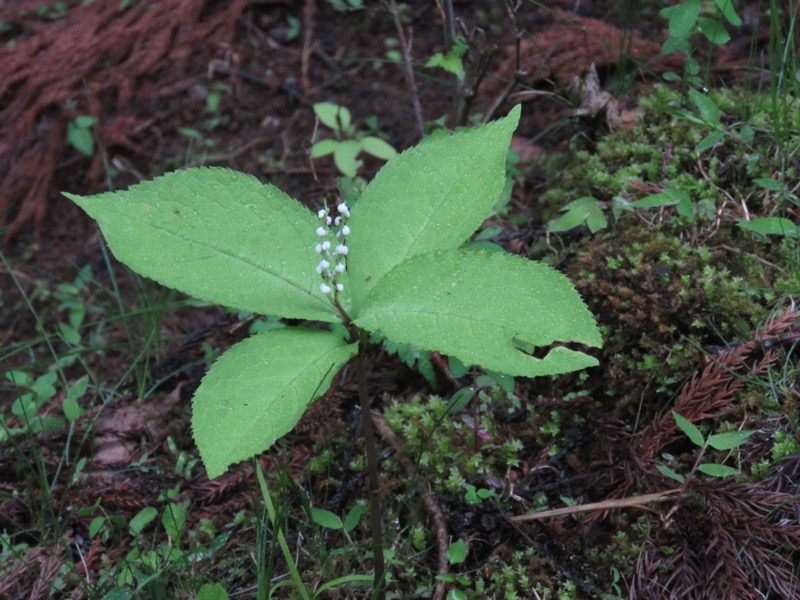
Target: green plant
<point>80,135</point>
<point>451,61</point>
<point>348,142</point>
<point>396,265</point>
<point>718,441</point>
<point>685,20</point>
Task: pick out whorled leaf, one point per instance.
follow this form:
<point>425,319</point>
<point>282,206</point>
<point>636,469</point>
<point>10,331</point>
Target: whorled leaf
<point>483,308</point>
<point>431,197</point>
<point>258,390</point>
<point>220,236</point>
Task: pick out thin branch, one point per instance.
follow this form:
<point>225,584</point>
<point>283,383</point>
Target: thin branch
<point>405,47</point>
<point>372,471</point>
<point>632,502</point>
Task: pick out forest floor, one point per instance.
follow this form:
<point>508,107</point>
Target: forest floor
<point>667,194</point>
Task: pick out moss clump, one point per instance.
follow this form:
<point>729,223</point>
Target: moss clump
<point>664,283</point>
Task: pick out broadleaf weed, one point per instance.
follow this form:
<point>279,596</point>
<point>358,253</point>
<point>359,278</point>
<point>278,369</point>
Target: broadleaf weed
<point>396,266</point>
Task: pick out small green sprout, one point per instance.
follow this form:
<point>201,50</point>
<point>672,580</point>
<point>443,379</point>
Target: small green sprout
<point>718,441</point>
<point>348,142</point>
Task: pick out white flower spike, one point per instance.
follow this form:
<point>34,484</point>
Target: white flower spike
<point>333,264</point>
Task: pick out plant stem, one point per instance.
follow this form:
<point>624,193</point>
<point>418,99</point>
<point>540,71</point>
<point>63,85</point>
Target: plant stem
<point>372,469</point>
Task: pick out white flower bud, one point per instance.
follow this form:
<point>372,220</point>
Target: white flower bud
<point>342,249</point>
<point>319,247</point>
<point>322,232</point>
<point>328,220</point>
<point>337,221</point>
<point>326,245</point>
<point>340,268</point>
<point>345,230</point>
<point>343,210</point>
<point>324,264</point>
<point>339,287</point>
<point>325,288</point>
<point>322,213</point>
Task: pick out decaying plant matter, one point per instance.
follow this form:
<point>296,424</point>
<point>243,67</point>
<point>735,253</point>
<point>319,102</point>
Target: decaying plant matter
<point>98,60</point>
<point>728,540</point>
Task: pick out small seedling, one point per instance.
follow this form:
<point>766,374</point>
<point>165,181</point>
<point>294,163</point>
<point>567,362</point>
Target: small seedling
<point>685,20</point>
<point>80,135</point>
<point>718,441</point>
<point>348,142</point>
<point>451,61</point>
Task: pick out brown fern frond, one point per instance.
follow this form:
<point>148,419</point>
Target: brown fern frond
<point>715,386</point>
<point>738,548</point>
<point>645,585</point>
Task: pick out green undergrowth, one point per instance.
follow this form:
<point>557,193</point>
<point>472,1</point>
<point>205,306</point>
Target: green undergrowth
<point>669,283</point>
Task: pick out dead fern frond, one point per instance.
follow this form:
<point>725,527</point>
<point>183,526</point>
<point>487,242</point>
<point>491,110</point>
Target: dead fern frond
<point>715,386</point>
<point>739,548</point>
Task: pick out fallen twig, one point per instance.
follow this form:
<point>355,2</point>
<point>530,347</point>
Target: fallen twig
<point>631,502</point>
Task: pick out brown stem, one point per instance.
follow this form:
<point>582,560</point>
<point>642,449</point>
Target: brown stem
<point>372,469</point>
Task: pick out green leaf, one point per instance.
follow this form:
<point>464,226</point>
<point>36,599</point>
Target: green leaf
<point>675,44</point>
<point>692,67</point>
<point>142,519</point>
<point>689,428</point>
<point>456,367</point>
<point>708,109</point>
<point>117,593</point>
<point>20,378</point>
<point>682,17</point>
<point>72,410</point>
<point>711,140</point>
<point>187,132</point>
<point>596,219</point>
<point>258,390</point>
<point>729,12</point>
<point>664,470</point>
<point>430,197</point>
<point>716,470</point>
<point>728,441</point>
<point>460,399</point>
<point>332,115</point>
<point>44,386</point>
<point>218,235</point>
<point>577,212</point>
<point>747,133</point>
<point>96,525</point>
<point>456,594</point>
<point>450,62</point>
<point>474,305</point>
<point>770,184</point>
<point>457,552</point>
<point>714,31</point>
<point>669,197</point>
<point>344,155</point>
<point>325,518</point>
<point>352,518</point>
<point>211,592</point>
<point>173,519</point>
<point>377,147</point>
<point>772,226</point>
<point>323,148</point>
<point>80,138</point>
